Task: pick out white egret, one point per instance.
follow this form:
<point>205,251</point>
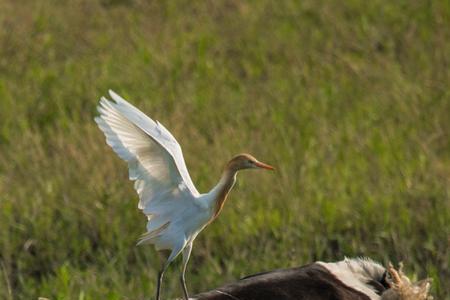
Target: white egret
<point>176,211</point>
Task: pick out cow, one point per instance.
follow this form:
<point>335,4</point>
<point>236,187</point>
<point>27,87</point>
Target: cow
<point>349,279</point>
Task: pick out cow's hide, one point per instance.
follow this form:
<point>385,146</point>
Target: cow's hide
<point>355,279</point>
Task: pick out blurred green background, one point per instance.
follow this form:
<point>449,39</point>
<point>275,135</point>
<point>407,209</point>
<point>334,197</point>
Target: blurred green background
<point>348,99</point>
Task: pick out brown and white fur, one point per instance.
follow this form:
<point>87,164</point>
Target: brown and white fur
<point>356,279</point>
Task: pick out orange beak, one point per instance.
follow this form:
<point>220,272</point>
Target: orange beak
<point>264,166</point>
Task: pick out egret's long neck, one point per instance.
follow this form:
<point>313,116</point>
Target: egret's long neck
<point>220,192</point>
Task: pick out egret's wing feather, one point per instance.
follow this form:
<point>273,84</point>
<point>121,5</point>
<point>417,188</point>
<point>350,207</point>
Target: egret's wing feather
<point>159,133</point>
<point>154,158</point>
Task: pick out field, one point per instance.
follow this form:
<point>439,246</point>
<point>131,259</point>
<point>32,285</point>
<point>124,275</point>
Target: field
<point>350,101</point>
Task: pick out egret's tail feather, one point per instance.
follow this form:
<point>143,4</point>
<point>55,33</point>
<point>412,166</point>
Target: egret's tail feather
<point>149,236</point>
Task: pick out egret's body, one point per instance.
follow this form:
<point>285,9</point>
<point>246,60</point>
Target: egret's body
<point>176,211</point>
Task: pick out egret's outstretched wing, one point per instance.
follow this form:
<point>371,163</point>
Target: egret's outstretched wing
<point>154,158</point>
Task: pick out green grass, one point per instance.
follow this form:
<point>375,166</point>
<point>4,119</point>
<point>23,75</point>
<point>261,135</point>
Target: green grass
<point>348,99</point>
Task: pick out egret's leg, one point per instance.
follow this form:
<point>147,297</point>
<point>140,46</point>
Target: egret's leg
<point>186,255</point>
<point>172,256</point>
<point>160,278</point>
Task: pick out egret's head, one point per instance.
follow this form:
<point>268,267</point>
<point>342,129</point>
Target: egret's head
<point>246,161</point>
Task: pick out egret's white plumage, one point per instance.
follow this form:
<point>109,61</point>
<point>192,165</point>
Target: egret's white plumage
<point>176,211</point>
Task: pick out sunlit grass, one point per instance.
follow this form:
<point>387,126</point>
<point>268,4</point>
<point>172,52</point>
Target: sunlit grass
<point>349,101</point>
